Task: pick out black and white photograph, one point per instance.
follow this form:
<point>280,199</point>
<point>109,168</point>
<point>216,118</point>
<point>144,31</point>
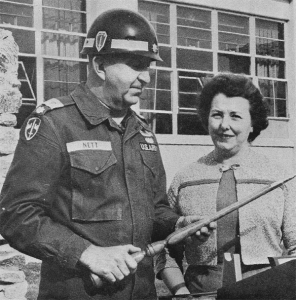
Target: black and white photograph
<point>147,149</point>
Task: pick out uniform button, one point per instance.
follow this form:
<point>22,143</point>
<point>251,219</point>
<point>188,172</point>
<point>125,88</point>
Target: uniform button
<point>97,168</point>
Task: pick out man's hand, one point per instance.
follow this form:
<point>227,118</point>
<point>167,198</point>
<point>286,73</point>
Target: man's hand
<point>203,234</point>
<point>111,263</point>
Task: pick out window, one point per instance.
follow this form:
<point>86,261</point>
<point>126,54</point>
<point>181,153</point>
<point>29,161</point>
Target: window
<point>61,25</point>
<point>64,15</point>
<point>156,102</point>
<point>196,43</point>
<point>271,65</point>
<point>64,28</point>
<point>233,37</point>
<point>61,77</point>
<point>27,77</point>
<point>17,13</point>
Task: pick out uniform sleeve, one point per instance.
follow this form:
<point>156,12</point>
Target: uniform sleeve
<point>165,217</point>
<point>172,257</point>
<point>27,221</point>
<point>289,218</point>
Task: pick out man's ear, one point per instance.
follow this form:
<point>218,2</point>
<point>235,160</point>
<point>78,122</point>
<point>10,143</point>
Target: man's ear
<point>98,66</point>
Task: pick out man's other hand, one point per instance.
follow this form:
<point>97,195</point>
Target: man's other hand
<point>111,263</point>
<point>203,234</point>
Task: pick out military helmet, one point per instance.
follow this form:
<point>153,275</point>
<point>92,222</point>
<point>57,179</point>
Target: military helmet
<point>121,31</point>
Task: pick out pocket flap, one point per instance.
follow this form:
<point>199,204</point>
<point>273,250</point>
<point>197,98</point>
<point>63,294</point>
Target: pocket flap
<point>93,161</point>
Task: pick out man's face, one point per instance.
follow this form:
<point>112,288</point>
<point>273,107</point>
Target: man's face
<point>125,78</point>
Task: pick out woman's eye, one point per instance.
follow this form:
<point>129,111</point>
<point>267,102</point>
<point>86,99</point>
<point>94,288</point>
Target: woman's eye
<point>236,116</point>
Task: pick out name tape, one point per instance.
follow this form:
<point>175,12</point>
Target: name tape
<point>89,145</point>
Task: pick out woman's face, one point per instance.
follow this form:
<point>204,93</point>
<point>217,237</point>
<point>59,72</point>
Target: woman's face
<point>230,123</point>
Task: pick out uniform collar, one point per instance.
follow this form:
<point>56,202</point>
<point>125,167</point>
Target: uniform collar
<point>95,112</point>
<point>88,104</point>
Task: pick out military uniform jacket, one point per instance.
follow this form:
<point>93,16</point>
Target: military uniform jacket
<point>76,179</point>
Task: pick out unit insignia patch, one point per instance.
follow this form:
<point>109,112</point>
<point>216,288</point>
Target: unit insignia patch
<point>32,128</point>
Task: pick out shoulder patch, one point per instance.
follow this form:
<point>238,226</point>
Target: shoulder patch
<point>32,128</point>
<point>48,105</point>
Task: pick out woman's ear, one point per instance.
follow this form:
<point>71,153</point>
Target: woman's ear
<point>98,66</point>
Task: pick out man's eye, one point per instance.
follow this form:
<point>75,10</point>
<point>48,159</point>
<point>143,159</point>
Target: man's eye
<point>216,115</point>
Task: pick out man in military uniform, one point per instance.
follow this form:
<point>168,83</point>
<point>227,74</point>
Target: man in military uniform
<point>86,188</point>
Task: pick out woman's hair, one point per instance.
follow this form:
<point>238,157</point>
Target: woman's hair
<point>234,85</point>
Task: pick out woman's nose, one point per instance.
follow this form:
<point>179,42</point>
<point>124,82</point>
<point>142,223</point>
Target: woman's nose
<point>225,123</point>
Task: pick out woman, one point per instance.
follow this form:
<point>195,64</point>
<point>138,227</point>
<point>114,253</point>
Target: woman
<point>232,110</point>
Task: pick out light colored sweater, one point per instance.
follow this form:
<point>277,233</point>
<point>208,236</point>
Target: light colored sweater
<point>263,223</point>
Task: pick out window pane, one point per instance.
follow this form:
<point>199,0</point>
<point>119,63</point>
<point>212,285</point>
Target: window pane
<point>234,42</point>
<point>269,29</point>
<point>280,89</point>
<point>157,95</point>
<point>191,37</point>
<point>270,47</point>
<point>270,105</point>
<point>15,14</point>
<point>187,100</point>
<point>163,33</point>
<point>266,88</point>
<point>55,44</point>
<point>61,77</point>
<point>27,66</point>
<point>147,100</point>
<point>64,20</point>
<point>159,17</point>
<point>66,4</point>
<point>189,124</point>
<point>163,100</point>
<point>270,68</point>
<point>194,60</point>
<point>234,63</point>
<point>25,40</point>
<point>30,69</point>
<point>160,80</point>
<point>159,123</point>
<point>281,109</point>
<point>165,54</point>
<point>22,1</point>
<point>191,25</point>
<point>194,18</point>
<point>190,86</point>
<point>273,90</point>
<point>56,89</point>
<point>233,23</point>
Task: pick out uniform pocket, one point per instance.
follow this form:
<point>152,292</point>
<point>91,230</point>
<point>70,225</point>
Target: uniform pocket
<point>90,171</point>
<point>94,162</point>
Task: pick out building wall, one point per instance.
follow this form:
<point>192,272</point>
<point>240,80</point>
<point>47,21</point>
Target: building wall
<point>278,140</point>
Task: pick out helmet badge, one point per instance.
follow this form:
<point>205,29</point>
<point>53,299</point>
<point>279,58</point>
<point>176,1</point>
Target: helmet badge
<point>155,48</point>
<point>101,38</point>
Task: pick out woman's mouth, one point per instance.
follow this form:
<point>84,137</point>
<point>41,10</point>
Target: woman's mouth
<point>225,136</point>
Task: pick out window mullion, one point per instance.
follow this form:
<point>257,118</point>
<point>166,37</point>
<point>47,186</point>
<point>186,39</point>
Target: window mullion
<point>38,48</point>
<point>215,41</point>
<point>174,75</point>
<point>253,46</point>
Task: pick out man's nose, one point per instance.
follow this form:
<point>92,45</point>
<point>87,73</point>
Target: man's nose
<point>144,76</point>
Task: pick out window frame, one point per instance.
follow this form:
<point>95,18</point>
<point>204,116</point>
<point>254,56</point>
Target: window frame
<point>204,140</point>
